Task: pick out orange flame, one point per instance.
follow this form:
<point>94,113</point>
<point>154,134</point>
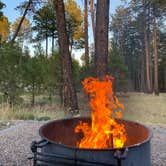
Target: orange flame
<point>104,131</point>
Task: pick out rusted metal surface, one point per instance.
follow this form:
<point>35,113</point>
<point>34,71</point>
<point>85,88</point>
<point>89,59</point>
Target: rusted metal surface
<point>62,132</point>
<point>60,146</point>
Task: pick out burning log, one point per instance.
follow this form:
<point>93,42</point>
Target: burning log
<point>104,131</point>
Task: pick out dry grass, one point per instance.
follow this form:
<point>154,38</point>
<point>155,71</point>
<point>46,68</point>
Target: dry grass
<point>30,113</point>
<point>138,107</point>
<point>146,108</point>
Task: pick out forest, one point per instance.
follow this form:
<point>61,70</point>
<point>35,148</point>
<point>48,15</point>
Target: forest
<point>134,54</point>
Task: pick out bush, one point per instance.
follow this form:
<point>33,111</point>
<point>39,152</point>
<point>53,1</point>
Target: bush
<point>25,116</point>
<point>43,118</point>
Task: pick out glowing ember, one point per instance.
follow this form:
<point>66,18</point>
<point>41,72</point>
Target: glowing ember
<point>104,131</point>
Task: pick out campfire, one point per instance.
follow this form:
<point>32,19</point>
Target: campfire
<point>105,131</point>
<point>104,139</point>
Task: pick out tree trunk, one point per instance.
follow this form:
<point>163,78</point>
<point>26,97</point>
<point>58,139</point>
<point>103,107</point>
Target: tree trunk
<point>148,82</point>
<point>0,41</point>
<point>101,37</point>
<point>33,95</point>
<point>69,92</point>
<point>46,45</point>
<point>149,45</point>
<point>143,72</point>
<point>147,53</point>
<point>155,49</point>
<point>92,17</point>
<point>50,94</point>
<point>86,32</point>
<point>21,21</point>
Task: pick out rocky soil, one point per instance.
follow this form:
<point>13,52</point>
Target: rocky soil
<point>15,143</point>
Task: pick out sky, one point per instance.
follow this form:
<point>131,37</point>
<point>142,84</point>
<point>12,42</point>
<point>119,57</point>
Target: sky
<point>12,14</point>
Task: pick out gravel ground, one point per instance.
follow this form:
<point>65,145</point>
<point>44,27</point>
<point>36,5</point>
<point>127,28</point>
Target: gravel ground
<point>15,142</point>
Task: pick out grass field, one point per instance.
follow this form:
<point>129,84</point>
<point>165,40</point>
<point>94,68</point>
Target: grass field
<point>145,107</point>
<point>139,107</point>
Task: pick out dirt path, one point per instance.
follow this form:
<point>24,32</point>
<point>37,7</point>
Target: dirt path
<point>15,143</point>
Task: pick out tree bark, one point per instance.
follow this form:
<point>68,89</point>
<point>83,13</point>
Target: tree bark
<point>33,94</point>
<point>155,49</point>
<point>0,41</point>
<point>149,45</point>
<point>143,72</point>
<point>147,52</point>
<point>21,21</point>
<point>101,38</point>
<point>69,92</point>
<point>92,17</point>
<point>86,32</point>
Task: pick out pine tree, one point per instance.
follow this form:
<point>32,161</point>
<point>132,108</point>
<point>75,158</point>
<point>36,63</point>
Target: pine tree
<point>68,92</point>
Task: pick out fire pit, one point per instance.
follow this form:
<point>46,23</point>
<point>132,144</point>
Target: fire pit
<point>58,146</point>
<point>104,139</point>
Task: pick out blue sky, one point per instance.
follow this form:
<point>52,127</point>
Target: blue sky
<point>12,14</point>
<point>9,10</point>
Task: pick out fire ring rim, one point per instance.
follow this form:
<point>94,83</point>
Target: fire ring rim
<point>150,135</point>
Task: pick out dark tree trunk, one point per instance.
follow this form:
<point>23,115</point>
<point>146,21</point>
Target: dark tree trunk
<point>69,92</point>
<point>21,21</point>
<point>101,38</point>
<point>92,10</point>
<point>0,41</point>
<point>86,32</point>
<point>149,45</point>
<point>33,95</point>
<point>155,49</point>
<point>50,95</point>
<point>148,82</point>
<point>147,52</point>
<point>143,72</point>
